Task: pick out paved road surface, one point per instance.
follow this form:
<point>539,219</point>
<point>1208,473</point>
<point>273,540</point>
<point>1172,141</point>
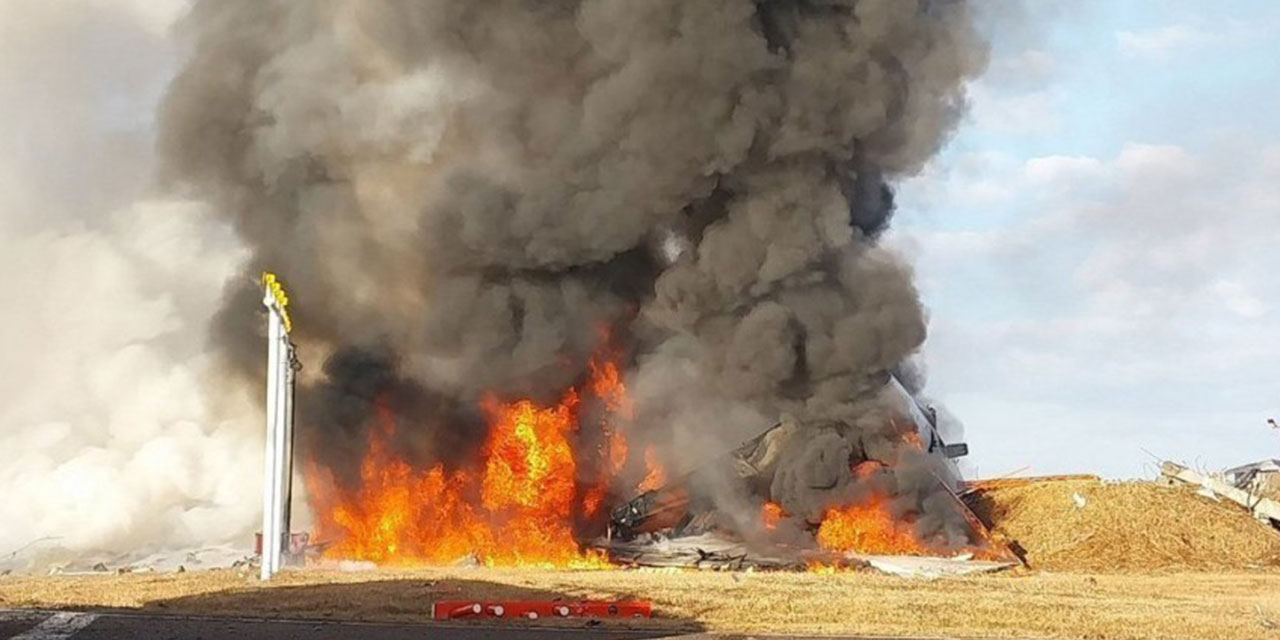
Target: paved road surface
<point>37,625</point>
<point>48,625</point>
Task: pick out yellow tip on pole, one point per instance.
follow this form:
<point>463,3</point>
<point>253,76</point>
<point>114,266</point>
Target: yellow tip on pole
<point>276,288</point>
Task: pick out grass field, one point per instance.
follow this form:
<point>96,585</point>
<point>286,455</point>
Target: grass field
<point>1131,560</point>
<point>1020,604</point>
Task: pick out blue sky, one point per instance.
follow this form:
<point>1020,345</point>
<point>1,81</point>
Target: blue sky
<point>1097,244</point>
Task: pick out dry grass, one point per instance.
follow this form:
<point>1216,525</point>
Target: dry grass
<point>1141,542</point>
<point>1027,604</point>
<point>1129,527</point>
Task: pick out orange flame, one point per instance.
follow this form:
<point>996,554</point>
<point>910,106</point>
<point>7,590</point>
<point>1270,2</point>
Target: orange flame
<point>655,475</point>
<point>771,514</point>
<point>912,438</point>
<point>606,384</point>
<point>869,526</point>
<point>516,511</point>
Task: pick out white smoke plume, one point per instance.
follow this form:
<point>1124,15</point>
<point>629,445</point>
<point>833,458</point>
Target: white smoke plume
<point>113,438</point>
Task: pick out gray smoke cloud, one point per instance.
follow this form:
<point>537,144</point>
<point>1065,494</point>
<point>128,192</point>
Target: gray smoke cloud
<point>461,193</point>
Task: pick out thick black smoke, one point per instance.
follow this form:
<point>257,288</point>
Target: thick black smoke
<point>461,193</point>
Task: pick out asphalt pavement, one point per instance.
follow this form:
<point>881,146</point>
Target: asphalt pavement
<point>61,625</point>
<point>46,625</point>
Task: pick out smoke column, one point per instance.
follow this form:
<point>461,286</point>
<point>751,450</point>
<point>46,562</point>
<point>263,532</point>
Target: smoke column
<point>114,433</point>
<point>461,193</point>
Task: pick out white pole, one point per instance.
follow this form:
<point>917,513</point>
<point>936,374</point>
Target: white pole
<point>270,535</point>
<point>286,502</point>
<point>282,408</point>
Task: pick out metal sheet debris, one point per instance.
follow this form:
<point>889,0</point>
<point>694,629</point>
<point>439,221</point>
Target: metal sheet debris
<point>1261,507</point>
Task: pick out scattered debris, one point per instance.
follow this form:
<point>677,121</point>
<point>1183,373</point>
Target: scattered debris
<point>1264,621</point>
<point>711,551</point>
<point>49,557</point>
<point>929,568</point>
<point>354,566</point>
<point>469,560</point>
<point>1205,492</point>
<point>1261,478</point>
<point>680,524</point>
<point>1261,507</point>
<point>534,609</point>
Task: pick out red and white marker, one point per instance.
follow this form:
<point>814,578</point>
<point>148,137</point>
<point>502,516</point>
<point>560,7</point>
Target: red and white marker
<point>534,609</point>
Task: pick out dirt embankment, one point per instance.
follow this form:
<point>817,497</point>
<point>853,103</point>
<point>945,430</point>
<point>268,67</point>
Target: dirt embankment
<point>1091,526</point>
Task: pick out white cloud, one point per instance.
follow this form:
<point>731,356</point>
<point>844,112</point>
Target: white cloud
<point>1160,163</point>
<point>1033,112</point>
<point>1161,43</point>
<point>972,180</point>
<point>1134,287</point>
<point>1026,69</point>
<point>1063,173</point>
<point>1239,299</point>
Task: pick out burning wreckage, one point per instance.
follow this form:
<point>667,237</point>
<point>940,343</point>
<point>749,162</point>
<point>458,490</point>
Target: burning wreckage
<point>770,503</point>
<point>494,213</point>
<point>683,523</point>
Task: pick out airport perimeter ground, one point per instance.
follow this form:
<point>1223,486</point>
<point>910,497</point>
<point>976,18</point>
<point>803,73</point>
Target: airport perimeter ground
<point>1021,603</point>
<point>1111,560</point>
